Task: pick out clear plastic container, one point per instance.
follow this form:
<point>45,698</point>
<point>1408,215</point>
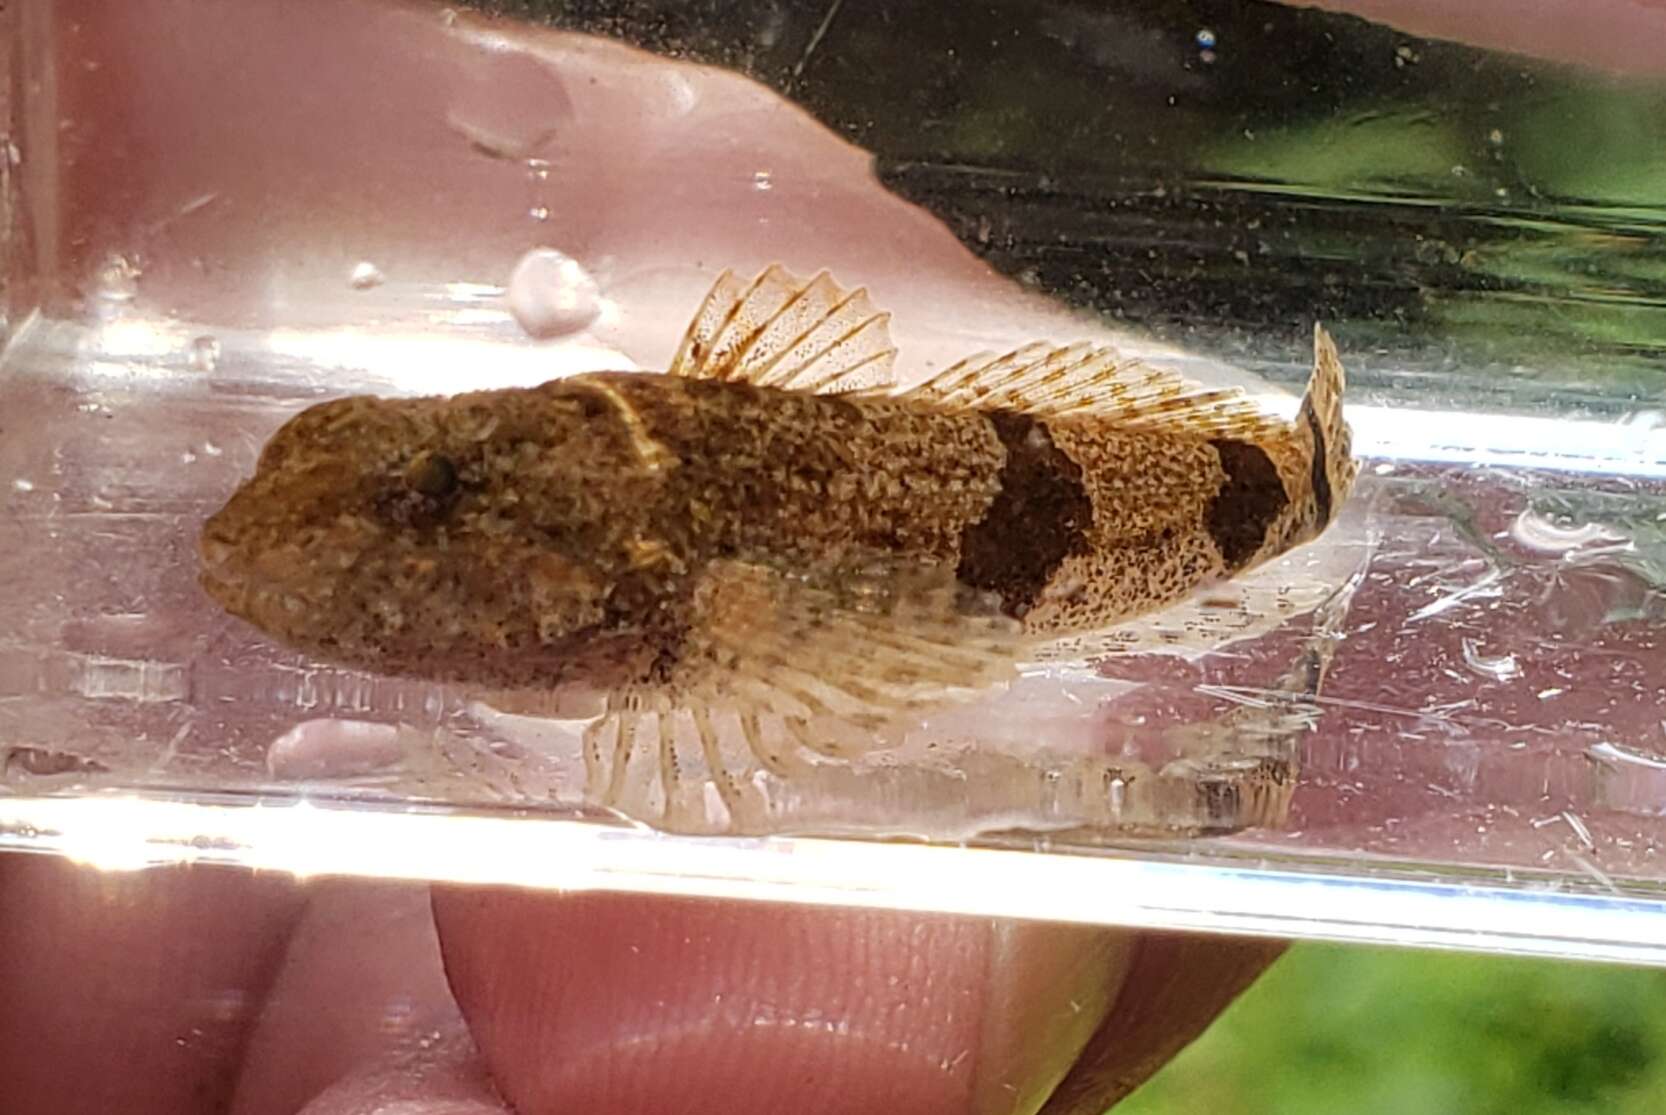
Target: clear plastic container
<point>1453,731</point>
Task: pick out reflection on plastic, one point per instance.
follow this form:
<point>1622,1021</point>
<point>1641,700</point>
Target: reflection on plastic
<point>1494,913</point>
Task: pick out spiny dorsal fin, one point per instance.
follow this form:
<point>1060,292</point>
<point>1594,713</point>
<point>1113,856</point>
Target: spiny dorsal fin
<point>1082,380</point>
<point>780,331</point>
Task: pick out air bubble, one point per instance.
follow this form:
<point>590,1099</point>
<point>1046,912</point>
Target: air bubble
<point>551,294</point>
<point>1538,532</point>
<point>1500,667</point>
<point>330,748</point>
<point>204,354</point>
<point>365,275</point>
<point>539,212</point>
<point>1645,420</point>
<point>1206,38</point>
<point>681,93</point>
<point>763,180</point>
<point>118,279</point>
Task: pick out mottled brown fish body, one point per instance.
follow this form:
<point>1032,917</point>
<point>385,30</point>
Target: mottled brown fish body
<point>530,537</point>
<point>1170,513</point>
<point>524,538</point>
<point>1072,522</point>
<point>798,480</point>
<point>774,541</point>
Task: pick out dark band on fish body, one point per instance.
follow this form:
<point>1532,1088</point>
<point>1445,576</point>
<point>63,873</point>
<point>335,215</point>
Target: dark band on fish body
<point>1039,517</point>
<point>1248,502</point>
<point>1321,478</point>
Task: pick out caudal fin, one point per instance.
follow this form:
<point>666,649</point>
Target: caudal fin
<point>1320,421</point>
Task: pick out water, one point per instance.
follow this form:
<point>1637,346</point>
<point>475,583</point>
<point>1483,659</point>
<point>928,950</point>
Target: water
<point>1482,232</point>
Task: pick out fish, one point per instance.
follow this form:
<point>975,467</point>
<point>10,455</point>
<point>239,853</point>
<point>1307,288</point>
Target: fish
<point>772,536</point>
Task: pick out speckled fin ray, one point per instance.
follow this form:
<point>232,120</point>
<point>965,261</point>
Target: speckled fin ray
<point>786,666</point>
<point>1093,380</point>
<point>859,645</point>
<point>781,331</point>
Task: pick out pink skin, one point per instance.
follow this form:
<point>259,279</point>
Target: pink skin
<point>185,991</point>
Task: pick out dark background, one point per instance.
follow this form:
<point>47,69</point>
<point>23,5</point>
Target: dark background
<point>1239,168</point>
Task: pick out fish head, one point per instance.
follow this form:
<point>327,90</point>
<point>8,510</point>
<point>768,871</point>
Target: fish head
<point>419,536</point>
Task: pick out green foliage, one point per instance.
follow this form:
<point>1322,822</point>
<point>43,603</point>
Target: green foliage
<point>1372,1032</point>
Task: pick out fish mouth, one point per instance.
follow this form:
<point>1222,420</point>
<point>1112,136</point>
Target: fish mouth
<point>232,594</point>
<point>218,576</point>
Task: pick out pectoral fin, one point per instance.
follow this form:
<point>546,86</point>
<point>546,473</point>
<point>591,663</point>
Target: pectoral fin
<point>779,668</point>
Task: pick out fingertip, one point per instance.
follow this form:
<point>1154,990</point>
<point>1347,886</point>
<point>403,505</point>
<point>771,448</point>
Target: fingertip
<point>444,1077</point>
<point>633,1004</point>
<point>1177,984</point>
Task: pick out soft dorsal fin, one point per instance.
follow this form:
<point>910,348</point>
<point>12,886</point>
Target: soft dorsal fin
<point>1084,379</point>
<point>781,331</point>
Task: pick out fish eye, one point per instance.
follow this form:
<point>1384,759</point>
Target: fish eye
<point>432,474</point>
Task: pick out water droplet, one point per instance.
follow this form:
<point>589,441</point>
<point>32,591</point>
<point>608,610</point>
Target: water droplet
<point>539,212</point>
<point>1536,531</point>
<point>681,93</point>
<point>118,280</point>
<point>1645,420</point>
<point>201,201</point>
<point>365,275</point>
<point>23,485</point>
<point>538,169</point>
<point>551,294</point>
<point>333,748</point>
<point>762,180</point>
<point>1626,755</point>
<point>204,354</point>
<point>14,154</point>
<point>1496,137</point>
<point>1205,38</point>
<point>1501,667</point>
